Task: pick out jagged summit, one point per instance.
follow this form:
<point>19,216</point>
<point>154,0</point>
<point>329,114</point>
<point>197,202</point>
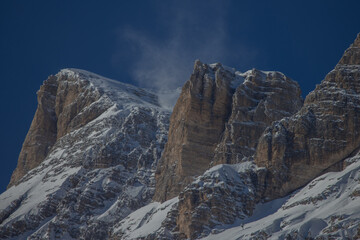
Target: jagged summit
<point>244,158</point>
<point>68,101</point>
<point>111,87</point>
<point>221,113</point>
<point>352,54</point>
<point>88,158</point>
<point>320,136</point>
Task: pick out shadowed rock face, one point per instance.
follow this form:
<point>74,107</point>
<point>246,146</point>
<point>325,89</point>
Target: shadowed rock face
<point>324,132</point>
<point>218,118</point>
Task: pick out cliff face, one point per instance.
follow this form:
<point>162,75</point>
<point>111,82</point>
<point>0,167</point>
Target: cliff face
<point>42,133</point>
<point>263,98</point>
<point>218,118</point>
<point>61,99</point>
<point>101,153</point>
<point>237,143</point>
<point>324,132</point>
<point>196,125</point>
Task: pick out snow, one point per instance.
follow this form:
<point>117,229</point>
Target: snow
<point>108,193</point>
<point>33,192</point>
<point>115,90</point>
<point>329,200</point>
<point>309,212</point>
<point>146,220</point>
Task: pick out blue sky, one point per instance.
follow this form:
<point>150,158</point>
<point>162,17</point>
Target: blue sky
<point>155,43</point>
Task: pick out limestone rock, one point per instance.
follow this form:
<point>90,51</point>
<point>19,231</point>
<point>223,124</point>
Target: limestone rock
<point>61,99</point>
<point>263,98</point>
<point>220,196</point>
<point>108,137</point>
<point>218,118</point>
<point>42,133</point>
<point>324,132</point>
<point>197,123</point>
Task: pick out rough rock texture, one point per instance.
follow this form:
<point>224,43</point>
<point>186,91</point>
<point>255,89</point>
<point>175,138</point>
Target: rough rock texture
<point>60,100</point>
<point>324,132</point>
<point>220,196</point>
<point>219,117</point>
<point>326,208</point>
<point>263,98</point>
<point>197,123</point>
<point>109,137</point>
<point>100,143</point>
<point>42,133</point>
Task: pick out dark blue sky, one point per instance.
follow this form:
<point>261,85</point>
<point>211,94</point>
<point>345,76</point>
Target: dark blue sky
<point>154,44</point>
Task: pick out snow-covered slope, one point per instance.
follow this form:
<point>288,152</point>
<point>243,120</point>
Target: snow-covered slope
<point>326,208</point>
<point>88,165</point>
<point>95,174</point>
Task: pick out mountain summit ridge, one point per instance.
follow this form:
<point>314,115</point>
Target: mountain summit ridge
<point>242,156</point>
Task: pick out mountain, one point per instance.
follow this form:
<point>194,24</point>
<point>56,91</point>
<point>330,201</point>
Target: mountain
<point>318,137</point>
<point>241,156</point>
<point>326,208</point>
<point>88,160</point>
<point>223,112</point>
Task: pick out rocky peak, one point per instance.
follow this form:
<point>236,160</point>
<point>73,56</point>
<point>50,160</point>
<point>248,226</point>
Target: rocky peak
<point>66,102</point>
<point>218,118</point>
<point>106,140</point>
<point>197,123</point>
<point>352,54</point>
<point>262,98</point>
<point>61,99</point>
<point>323,133</point>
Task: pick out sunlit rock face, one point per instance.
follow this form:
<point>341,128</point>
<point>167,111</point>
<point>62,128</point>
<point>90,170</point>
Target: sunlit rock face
<point>197,123</point>
<point>88,160</point>
<point>218,118</point>
<point>324,132</point>
<point>239,145</point>
<point>263,98</point>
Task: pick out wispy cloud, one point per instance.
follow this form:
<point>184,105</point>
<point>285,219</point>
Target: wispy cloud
<point>165,64</point>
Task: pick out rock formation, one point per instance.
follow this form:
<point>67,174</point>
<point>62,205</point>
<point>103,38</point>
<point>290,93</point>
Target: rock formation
<point>60,101</point>
<point>106,139</point>
<point>197,123</point>
<point>324,132</point>
<point>222,194</point>
<point>263,98</point>
<point>42,133</point>
<point>218,118</point>
<point>89,163</point>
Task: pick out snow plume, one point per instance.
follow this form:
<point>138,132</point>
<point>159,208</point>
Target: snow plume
<point>165,63</point>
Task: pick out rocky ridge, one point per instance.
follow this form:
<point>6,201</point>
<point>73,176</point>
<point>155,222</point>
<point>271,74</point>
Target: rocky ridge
<point>326,208</point>
<point>101,167</point>
<point>290,153</point>
<point>102,142</point>
<point>218,118</point>
<point>320,136</point>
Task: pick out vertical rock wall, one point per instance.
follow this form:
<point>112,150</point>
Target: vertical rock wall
<point>325,131</point>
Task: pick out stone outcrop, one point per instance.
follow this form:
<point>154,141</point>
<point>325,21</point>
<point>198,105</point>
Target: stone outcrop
<point>108,137</point>
<point>221,195</point>
<point>218,118</point>
<point>88,165</point>
<point>197,123</point>
<point>263,98</point>
<point>42,133</point>
<point>324,132</point>
<point>60,100</point>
